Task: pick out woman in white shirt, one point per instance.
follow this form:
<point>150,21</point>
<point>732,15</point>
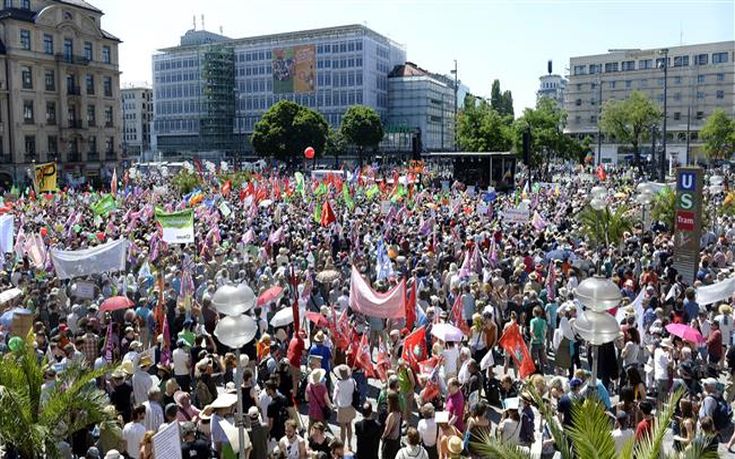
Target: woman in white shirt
<point>342,397</point>
<point>429,431</point>
<point>509,429</point>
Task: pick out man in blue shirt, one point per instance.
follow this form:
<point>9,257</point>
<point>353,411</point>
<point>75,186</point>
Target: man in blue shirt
<point>691,307</point>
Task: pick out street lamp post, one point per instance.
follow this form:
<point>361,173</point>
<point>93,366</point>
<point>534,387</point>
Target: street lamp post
<point>665,64</point>
<point>456,88</point>
<point>599,113</point>
<point>235,330</point>
<point>595,325</point>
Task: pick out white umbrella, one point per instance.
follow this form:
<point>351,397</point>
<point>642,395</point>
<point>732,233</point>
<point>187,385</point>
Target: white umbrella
<point>283,317</point>
<point>9,295</point>
<point>265,203</point>
<point>447,332</point>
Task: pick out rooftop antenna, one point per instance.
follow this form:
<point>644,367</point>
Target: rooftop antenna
<point>203,28</point>
<point>194,21</point>
<point>221,30</point>
<point>549,66</point>
<point>681,34</point>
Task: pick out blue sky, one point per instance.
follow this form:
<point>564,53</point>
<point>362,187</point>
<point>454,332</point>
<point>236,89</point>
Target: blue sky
<point>503,39</point>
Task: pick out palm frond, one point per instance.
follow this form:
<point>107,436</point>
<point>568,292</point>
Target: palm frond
<point>698,449</point>
<point>649,447</point>
<point>591,432</point>
<point>561,442</point>
<point>490,447</point>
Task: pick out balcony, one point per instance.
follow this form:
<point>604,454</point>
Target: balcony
<point>75,124</point>
<point>71,59</point>
<point>74,91</point>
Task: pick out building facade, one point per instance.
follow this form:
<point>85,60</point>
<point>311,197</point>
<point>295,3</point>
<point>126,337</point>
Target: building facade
<point>60,98</point>
<point>421,102</point>
<point>552,86</point>
<point>698,79</point>
<point>137,108</point>
<point>211,90</point>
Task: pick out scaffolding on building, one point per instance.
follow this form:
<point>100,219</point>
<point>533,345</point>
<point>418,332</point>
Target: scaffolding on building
<point>216,127</point>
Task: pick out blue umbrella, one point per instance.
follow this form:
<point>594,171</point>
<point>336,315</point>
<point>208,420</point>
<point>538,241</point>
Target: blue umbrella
<point>560,254</point>
<point>7,318</point>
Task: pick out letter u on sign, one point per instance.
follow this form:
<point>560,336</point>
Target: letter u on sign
<point>686,181</point>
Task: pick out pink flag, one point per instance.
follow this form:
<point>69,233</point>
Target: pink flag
<point>365,300</point>
<point>108,343</point>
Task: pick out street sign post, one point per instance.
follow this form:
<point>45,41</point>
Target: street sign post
<point>688,221</point>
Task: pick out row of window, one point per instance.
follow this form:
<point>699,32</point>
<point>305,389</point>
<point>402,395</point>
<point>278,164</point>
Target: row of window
<point>643,83</point>
<point>72,86</point>
<point>172,64</point>
<point>174,77</point>
<point>73,119</point>
<point>719,94</point>
<point>52,147</point>
<point>676,116</point>
<point>644,64</point>
<point>68,50</point>
<point>341,63</point>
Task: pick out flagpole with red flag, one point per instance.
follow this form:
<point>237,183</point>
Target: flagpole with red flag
<point>512,342</point>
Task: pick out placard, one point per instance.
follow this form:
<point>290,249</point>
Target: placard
<point>519,215</point>
<point>22,324</point>
<point>167,443</point>
<point>84,290</point>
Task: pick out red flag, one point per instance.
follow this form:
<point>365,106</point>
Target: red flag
<point>414,348</point>
<point>226,188</point>
<point>457,316</point>
<point>359,353</point>
<point>601,174</point>
<point>328,216</point>
<point>383,364</point>
<point>411,307</point>
<point>512,342</point>
<point>318,319</point>
<point>113,183</point>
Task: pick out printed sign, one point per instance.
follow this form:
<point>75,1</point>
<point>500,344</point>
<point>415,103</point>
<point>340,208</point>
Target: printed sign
<point>45,177</point>
<point>519,215</point>
<point>84,290</point>
<point>688,221</point>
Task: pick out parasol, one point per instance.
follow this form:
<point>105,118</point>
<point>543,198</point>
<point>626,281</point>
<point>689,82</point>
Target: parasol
<point>115,303</point>
<point>283,317</point>
<point>328,275</point>
<point>447,332</point>
<point>270,295</point>
<point>265,203</point>
<point>685,332</point>
<point>9,295</point>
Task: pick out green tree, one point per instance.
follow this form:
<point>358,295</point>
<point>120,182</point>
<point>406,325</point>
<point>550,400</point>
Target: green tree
<point>664,205</point>
<point>184,181</point>
<point>507,105</point>
<point>287,129</point>
<point>362,127</point>
<point>605,227</point>
<point>336,145</point>
<point>718,135</point>
<point>31,422</point>
<point>546,123</point>
<point>496,97</point>
<point>480,128</point>
<point>630,120</point>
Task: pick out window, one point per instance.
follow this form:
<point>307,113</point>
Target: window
<point>700,78</point>
<point>677,116</point>
<point>720,94</point>
<point>68,48</point>
<point>91,116</point>
<point>643,83</point>
<point>30,143</point>
<point>660,98</point>
<point>645,64</point>
<point>53,145</point>
<point>108,86</point>
<point>92,144</point>
<point>593,85</point>
<point>88,50</point>
<point>593,119</point>
<point>611,85</point>
<point>628,83</point>
<point>25,39</point>
<point>51,113</point>
<point>25,4</point>
<point>700,115</point>
<point>50,80</point>
<point>677,96</point>
<point>577,119</point>
<point>628,65</point>
<point>681,61</point>
<point>660,62</point>
<point>28,111</point>
<point>26,74</point>
<point>90,84</point>
<point>719,58</point>
<point>611,67</point>
<point>700,95</point>
<point>8,3</point>
<point>108,116</point>
<point>720,77</point>
<point>106,59</point>
<point>595,68</point>
<point>48,44</point>
<point>660,81</point>
<point>701,59</point>
<point>109,144</point>
<point>677,80</point>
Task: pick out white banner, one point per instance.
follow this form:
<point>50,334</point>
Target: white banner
<point>519,215</point>
<point>6,233</point>
<point>716,292</point>
<point>103,258</point>
<point>178,227</point>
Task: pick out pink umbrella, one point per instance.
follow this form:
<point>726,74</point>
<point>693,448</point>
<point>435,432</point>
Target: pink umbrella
<point>685,332</point>
<point>116,302</point>
<point>270,295</point>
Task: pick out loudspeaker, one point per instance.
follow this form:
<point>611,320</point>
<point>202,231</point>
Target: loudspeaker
<point>527,147</point>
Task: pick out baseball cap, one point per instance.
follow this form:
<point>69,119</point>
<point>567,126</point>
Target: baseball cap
<point>575,382</point>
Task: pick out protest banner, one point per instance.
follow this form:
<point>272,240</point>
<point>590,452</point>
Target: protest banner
<point>178,227</point>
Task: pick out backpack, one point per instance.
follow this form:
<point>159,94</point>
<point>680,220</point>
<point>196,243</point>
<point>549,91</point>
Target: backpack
<point>722,414</point>
<point>263,372</point>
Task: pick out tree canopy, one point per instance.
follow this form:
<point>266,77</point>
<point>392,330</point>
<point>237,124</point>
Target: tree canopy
<point>287,129</point>
<point>362,127</point>
<point>718,135</point>
<point>546,123</point>
<point>482,128</point>
<point>630,120</point>
<point>501,102</point>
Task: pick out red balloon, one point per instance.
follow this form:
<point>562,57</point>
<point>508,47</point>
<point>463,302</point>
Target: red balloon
<point>44,231</point>
<point>101,236</point>
<point>309,153</point>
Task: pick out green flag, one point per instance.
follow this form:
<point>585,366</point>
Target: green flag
<point>372,191</point>
<point>104,205</point>
<point>346,196</point>
<point>299,183</point>
<point>321,189</point>
<point>317,213</point>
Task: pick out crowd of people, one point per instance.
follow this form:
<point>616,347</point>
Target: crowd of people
<point>486,330</point>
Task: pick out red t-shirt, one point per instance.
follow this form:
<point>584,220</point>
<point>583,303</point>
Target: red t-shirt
<point>295,350</point>
<point>644,428</point>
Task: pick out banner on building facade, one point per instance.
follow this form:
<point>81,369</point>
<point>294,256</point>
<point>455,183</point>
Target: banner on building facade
<point>294,69</point>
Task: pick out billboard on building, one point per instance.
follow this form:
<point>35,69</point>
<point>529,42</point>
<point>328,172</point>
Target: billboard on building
<point>294,69</point>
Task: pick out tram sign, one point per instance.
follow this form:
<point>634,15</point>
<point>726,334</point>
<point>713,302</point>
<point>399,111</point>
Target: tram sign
<point>688,221</point>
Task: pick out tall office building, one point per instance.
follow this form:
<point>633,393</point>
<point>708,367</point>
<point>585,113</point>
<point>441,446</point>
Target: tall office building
<point>60,99</point>
<point>699,79</point>
<point>137,107</point>
<point>210,90</point>
<point>421,102</point>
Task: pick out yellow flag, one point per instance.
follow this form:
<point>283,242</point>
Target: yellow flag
<point>45,177</point>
